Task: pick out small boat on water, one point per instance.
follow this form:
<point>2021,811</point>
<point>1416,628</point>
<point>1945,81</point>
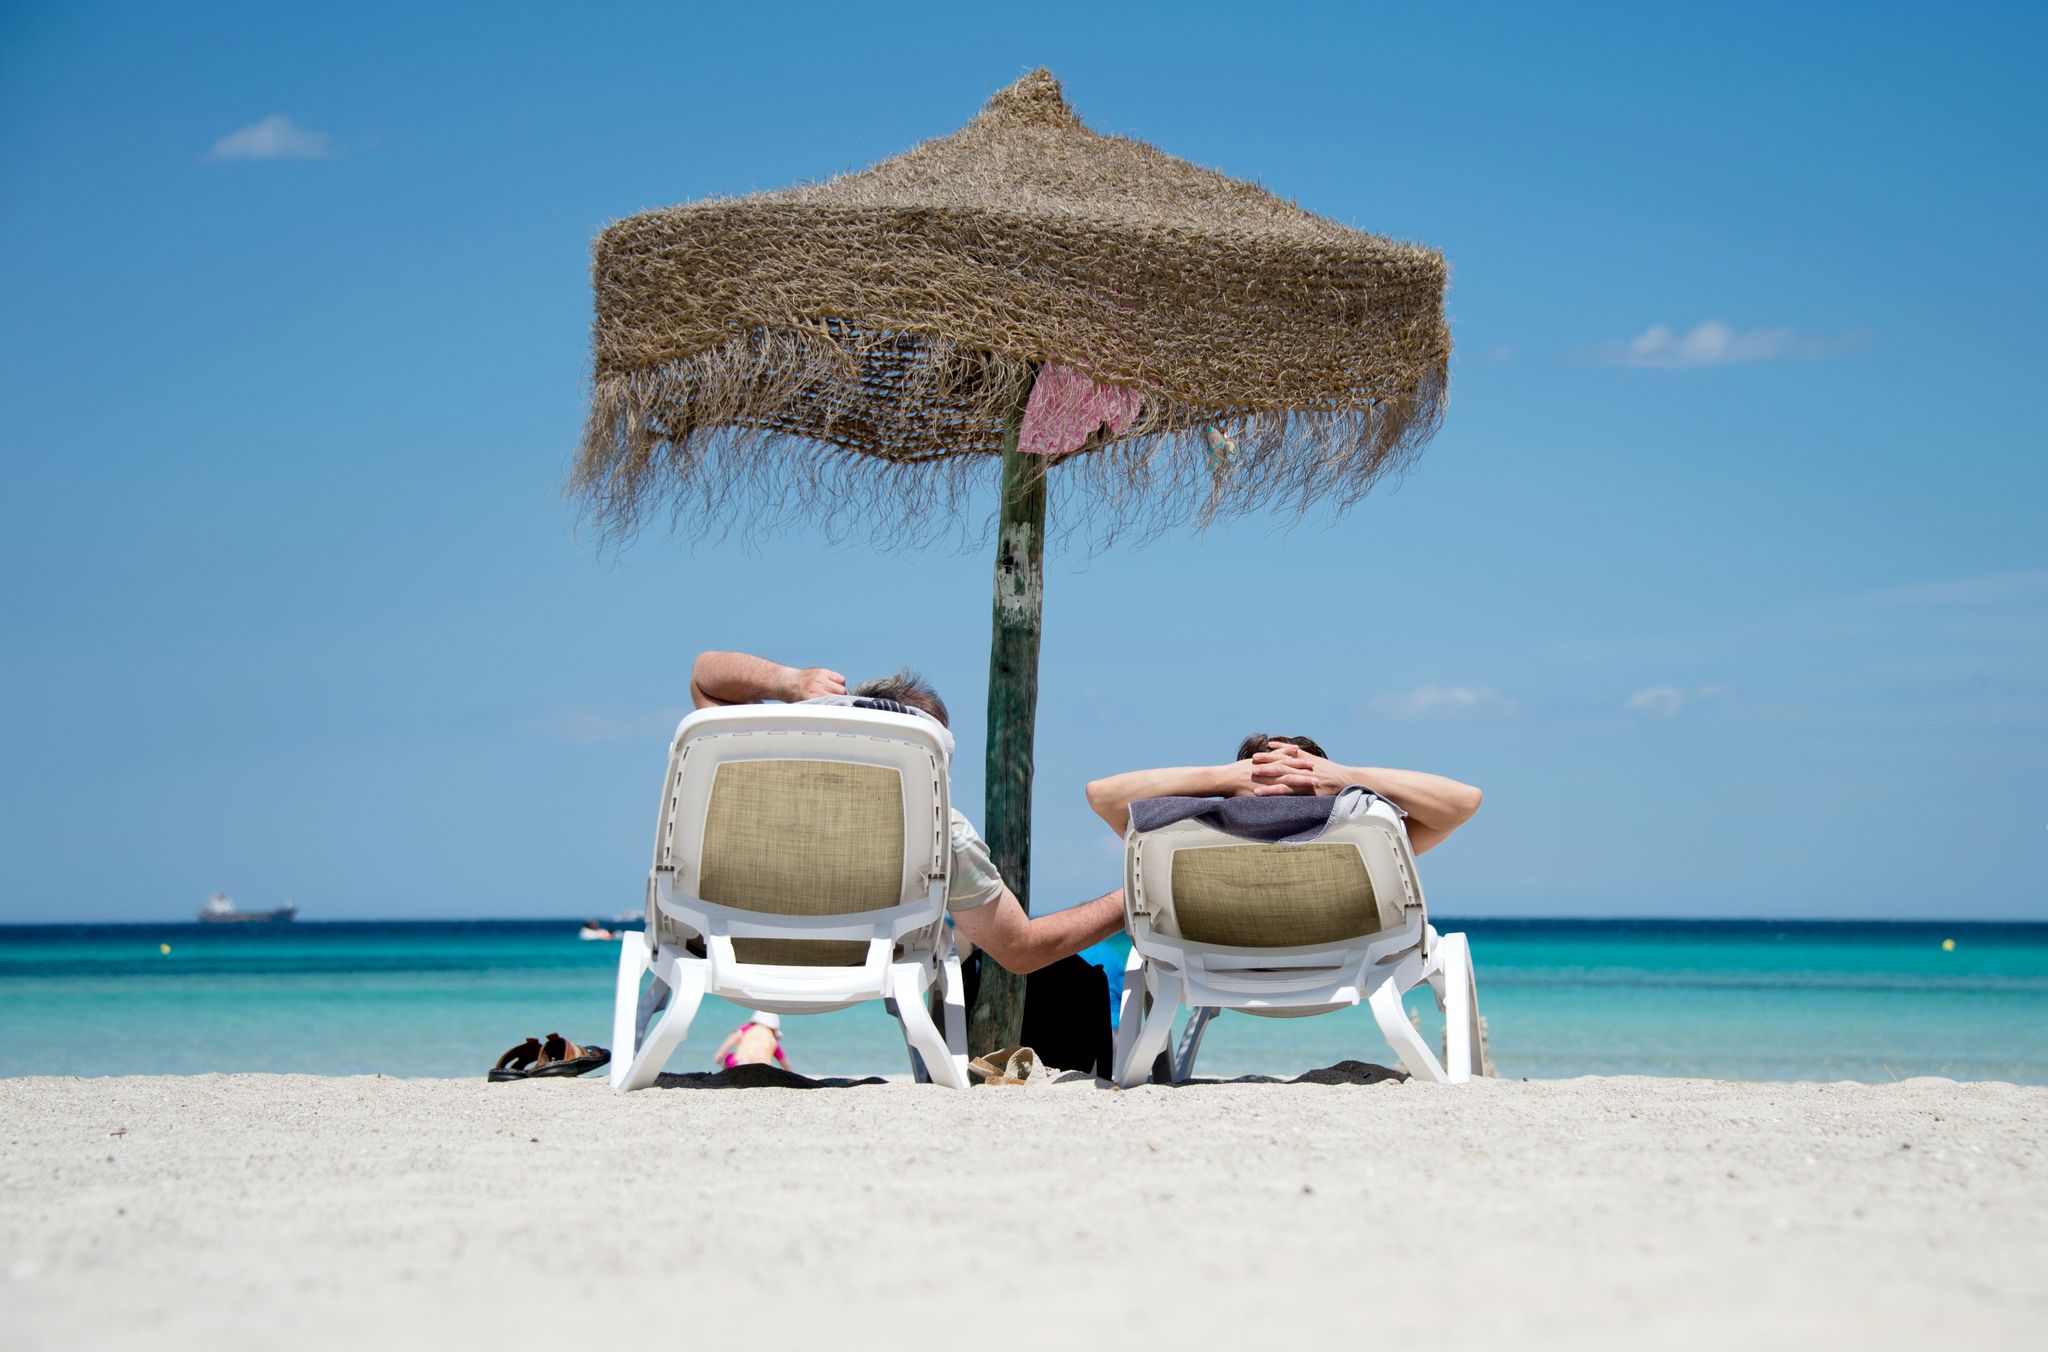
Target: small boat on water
<point>220,910</point>
<point>592,930</point>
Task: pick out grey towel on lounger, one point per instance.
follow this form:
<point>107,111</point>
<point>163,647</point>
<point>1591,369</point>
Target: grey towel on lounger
<point>1279,820</point>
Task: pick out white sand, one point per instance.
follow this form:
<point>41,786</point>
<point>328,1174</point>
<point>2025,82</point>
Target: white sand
<point>291,1211</point>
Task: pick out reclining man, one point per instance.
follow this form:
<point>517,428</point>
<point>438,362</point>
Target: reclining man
<point>984,911</point>
<point>1269,765</point>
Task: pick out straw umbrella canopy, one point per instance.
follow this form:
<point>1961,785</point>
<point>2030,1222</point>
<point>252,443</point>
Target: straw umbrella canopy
<point>863,352</point>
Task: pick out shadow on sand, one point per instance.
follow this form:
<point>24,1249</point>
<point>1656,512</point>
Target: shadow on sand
<point>775,1077</point>
<point>759,1077</point>
<point>1344,1072</point>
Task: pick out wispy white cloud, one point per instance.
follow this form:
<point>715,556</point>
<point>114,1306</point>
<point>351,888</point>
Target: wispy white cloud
<point>1662,701</point>
<point>584,727</point>
<point>1714,343</point>
<point>276,137</point>
<point>1443,701</point>
<point>1994,591</point>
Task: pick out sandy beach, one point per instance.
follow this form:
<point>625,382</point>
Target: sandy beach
<point>256,1211</point>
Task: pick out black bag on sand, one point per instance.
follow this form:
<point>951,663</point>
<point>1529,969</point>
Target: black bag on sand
<point>1066,1013</point>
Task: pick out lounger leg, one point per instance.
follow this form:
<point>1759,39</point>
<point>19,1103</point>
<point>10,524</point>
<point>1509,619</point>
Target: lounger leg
<point>953,992</point>
<point>686,980</point>
<point>1400,1034</point>
<point>1191,1043</point>
<point>626,1005</point>
<point>1461,1008</point>
<point>908,982</point>
<point>1130,1011</point>
<point>652,1001</point>
<point>1151,1038</point>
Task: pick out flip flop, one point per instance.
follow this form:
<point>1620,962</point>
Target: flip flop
<point>559,1056</point>
<point>516,1064</point>
<point>1010,1065</point>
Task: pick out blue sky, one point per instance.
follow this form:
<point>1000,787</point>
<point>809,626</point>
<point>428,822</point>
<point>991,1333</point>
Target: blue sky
<point>1726,577</point>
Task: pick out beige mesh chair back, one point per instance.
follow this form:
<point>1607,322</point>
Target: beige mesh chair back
<point>800,865</point>
<point>1221,923</point>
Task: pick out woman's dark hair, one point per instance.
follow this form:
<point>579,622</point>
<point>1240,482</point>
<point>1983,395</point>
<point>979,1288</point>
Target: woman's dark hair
<point>906,687</point>
<point>1263,741</point>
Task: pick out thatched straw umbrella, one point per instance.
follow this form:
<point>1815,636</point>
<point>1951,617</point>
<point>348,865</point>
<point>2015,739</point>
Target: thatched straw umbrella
<point>1179,346</point>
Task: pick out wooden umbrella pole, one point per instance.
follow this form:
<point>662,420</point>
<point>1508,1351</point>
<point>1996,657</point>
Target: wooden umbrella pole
<point>997,1019</point>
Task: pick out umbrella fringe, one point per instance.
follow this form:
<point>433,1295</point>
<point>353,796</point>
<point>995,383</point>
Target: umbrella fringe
<point>736,438</point>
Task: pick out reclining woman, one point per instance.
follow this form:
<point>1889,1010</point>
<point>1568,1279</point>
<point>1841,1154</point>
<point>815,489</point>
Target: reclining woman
<point>1269,765</point>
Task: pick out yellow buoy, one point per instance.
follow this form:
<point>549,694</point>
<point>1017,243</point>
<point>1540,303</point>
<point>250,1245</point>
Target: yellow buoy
<point>1948,945</point>
<point>165,948</point>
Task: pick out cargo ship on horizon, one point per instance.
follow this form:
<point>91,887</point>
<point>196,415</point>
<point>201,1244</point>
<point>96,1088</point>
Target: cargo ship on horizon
<point>220,910</point>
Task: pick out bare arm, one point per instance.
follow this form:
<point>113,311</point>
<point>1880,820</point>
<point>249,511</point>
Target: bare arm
<point>1436,806</point>
<point>731,1041</point>
<point>1023,943</point>
<point>1112,797</point>
<point>741,678</point>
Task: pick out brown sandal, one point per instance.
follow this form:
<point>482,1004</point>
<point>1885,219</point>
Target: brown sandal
<point>516,1064</point>
<point>1010,1065</point>
<point>559,1056</point>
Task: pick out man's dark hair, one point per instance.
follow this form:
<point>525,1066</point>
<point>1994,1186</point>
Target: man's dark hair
<point>1263,741</point>
<point>906,687</point>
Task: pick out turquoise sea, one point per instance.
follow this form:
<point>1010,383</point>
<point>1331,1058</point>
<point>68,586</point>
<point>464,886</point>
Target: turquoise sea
<point>1733,999</point>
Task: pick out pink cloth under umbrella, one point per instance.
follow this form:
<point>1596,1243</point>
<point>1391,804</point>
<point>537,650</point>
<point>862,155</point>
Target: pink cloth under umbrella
<point>1066,408</point>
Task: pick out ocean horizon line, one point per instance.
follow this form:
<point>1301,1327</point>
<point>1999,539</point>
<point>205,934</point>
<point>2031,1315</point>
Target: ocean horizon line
<point>1439,918</point>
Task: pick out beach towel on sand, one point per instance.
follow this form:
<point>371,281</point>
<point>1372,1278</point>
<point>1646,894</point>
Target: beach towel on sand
<point>1280,820</point>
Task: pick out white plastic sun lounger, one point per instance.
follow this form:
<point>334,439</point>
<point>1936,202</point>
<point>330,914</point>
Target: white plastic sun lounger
<point>1221,923</point>
<point>800,865</point>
